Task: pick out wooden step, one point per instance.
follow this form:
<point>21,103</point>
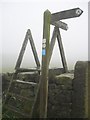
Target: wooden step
<point>16,110</point>
<point>27,70</point>
<point>25,82</point>
<point>19,96</point>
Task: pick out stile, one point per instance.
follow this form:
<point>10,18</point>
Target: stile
<point>28,36</point>
<point>34,49</point>
<point>62,52</point>
<point>22,51</point>
<point>52,43</point>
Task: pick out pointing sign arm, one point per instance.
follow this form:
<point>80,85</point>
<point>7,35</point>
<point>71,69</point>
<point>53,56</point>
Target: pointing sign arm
<point>76,12</point>
<point>60,24</point>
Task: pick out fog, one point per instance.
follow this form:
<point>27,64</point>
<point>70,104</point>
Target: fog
<point>17,17</point>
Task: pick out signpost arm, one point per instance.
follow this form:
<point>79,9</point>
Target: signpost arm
<point>60,24</point>
<point>72,13</point>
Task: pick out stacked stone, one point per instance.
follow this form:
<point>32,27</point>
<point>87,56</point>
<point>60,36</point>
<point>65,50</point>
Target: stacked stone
<point>60,96</point>
<point>21,96</point>
<point>81,97</point>
<point>68,93</point>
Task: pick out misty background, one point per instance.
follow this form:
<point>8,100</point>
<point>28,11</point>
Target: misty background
<point>18,16</point>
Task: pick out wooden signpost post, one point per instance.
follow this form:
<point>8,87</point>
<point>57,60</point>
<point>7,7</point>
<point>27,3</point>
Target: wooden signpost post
<point>45,65</point>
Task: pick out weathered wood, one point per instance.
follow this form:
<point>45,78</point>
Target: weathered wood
<point>15,110</point>
<point>25,82</point>
<point>34,49</point>
<point>35,112</point>
<point>76,12</point>
<point>42,93</point>
<point>51,70</point>
<point>61,25</point>
<point>18,96</point>
<point>52,43</point>
<point>37,102</point>
<point>28,36</point>
<point>22,51</point>
<point>56,33</point>
<point>11,81</point>
<point>45,65</point>
<point>62,51</point>
<point>27,70</point>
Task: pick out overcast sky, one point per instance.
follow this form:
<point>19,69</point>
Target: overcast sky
<point>17,16</point>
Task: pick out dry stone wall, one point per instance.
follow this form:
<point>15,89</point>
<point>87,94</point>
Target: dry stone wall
<point>81,86</point>
<point>68,93</point>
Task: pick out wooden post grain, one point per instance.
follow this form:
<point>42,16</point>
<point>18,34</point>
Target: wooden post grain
<point>45,65</point>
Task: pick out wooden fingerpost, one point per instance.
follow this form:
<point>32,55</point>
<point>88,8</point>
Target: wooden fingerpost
<point>45,65</point>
